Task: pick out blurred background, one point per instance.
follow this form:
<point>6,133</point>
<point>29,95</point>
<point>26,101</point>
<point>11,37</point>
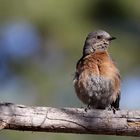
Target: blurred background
<point>41,41</point>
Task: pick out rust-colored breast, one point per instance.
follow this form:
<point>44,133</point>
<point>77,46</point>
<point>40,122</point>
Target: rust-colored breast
<point>99,64</point>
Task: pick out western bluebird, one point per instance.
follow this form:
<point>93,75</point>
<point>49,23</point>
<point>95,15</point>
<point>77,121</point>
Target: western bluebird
<point>97,80</point>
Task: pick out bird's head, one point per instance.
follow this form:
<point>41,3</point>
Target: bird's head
<point>97,41</point>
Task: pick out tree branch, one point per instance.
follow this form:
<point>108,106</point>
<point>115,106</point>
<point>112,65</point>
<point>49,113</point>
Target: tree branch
<point>69,120</point>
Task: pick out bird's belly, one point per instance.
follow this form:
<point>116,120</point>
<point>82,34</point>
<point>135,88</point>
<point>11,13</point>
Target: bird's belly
<point>96,90</point>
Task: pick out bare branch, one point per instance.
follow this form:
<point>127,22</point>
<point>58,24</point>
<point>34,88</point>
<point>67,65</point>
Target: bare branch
<point>69,120</point>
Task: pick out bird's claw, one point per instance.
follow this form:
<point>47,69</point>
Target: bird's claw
<point>111,108</point>
<point>87,108</point>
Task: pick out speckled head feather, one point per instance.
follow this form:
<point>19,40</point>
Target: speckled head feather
<point>97,41</point>
<point>102,33</point>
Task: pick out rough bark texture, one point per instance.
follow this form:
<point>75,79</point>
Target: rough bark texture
<point>69,120</point>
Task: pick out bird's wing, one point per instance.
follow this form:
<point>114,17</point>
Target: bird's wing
<point>117,92</point>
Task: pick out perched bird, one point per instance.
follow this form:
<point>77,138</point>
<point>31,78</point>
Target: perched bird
<point>97,79</point>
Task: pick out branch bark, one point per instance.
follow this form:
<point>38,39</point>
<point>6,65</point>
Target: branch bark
<point>69,120</point>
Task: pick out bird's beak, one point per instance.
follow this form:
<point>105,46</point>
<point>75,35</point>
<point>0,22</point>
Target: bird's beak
<point>111,38</point>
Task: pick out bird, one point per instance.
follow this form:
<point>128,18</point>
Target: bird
<point>97,80</point>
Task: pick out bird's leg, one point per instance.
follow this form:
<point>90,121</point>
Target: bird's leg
<point>88,107</point>
<point>109,108</point>
<point>112,108</point>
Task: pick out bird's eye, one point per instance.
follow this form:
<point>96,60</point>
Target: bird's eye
<point>99,37</point>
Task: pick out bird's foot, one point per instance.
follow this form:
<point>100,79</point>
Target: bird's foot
<point>87,108</point>
<point>112,108</point>
<point>109,108</point>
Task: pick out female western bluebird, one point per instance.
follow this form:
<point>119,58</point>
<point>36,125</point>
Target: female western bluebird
<point>97,80</point>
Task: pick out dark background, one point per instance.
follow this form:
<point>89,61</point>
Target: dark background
<point>41,41</point>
